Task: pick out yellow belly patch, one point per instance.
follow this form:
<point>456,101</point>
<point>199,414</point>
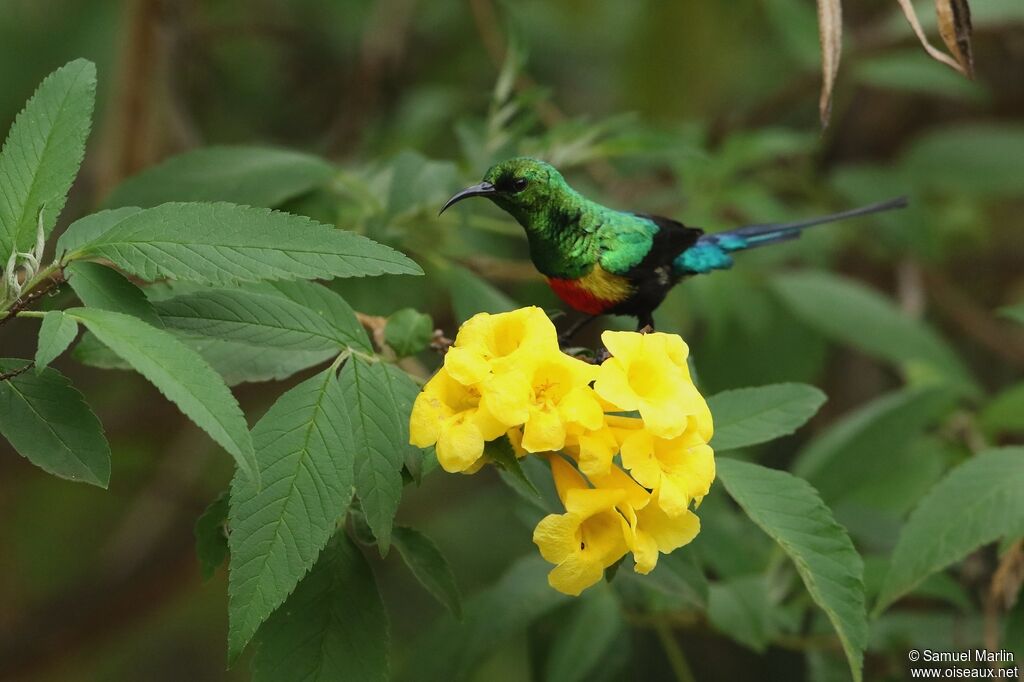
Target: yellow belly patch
<point>596,292</point>
<point>604,284</point>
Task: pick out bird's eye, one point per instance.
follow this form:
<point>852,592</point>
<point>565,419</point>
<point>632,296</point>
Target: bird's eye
<point>519,184</point>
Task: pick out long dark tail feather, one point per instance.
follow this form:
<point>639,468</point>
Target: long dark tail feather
<point>713,251</point>
<point>769,233</point>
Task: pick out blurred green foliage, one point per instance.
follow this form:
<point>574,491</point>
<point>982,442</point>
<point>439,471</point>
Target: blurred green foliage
<point>367,115</point>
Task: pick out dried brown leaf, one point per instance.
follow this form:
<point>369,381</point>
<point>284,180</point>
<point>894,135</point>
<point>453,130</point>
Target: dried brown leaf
<point>933,52</point>
<point>830,28</point>
<point>955,29</point>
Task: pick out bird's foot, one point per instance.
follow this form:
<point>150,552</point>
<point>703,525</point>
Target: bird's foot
<point>646,329</point>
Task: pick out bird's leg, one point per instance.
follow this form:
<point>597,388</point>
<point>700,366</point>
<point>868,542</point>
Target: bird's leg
<point>565,337</point>
<point>645,323</point>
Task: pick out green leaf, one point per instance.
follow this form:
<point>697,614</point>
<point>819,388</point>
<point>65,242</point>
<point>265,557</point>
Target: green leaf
<point>976,503</point>
<point>1013,312</point>
<point>472,295</point>
<point>429,566</point>
<point>91,352</point>
<point>250,318</point>
<point>679,574</point>
<point>48,422</point>
<point>212,537</point>
<point>741,608</point>
<point>850,312</point>
<point>417,461</point>
<point>451,650</point>
<point>90,228</point>
<point>225,243</point>
<point>179,373</point>
<point>501,453</point>
<point>1004,413</point>
<point>789,510</point>
<point>380,437</point>
<point>584,636</point>
<point>913,71</point>
<point>980,159</point>
<point>408,332</point>
<point>304,454</point>
<point>748,416</point>
<point>326,303</point>
<point>416,182</point>
<point>55,335</point>
<point>333,628</point>
<point>238,363</point>
<point>256,176</point>
<point>42,153</point>
<point>859,447</point>
<point>98,286</point>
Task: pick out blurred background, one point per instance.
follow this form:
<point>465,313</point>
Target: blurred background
<point>702,111</point>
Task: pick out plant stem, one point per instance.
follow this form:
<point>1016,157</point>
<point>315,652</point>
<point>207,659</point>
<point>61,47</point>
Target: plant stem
<point>54,278</point>
<point>30,313</point>
<point>15,372</point>
<point>674,653</point>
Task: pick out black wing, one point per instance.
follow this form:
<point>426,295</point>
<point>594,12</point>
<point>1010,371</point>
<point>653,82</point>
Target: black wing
<point>671,240</point>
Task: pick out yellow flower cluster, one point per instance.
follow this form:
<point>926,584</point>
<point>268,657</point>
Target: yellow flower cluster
<point>506,376</point>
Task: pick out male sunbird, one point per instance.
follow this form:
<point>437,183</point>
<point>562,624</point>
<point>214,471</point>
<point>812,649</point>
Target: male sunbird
<point>603,261</point>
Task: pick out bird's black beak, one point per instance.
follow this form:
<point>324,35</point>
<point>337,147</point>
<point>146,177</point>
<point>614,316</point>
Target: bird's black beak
<point>484,189</point>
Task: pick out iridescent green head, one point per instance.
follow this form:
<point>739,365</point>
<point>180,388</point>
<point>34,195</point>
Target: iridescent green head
<point>528,189</point>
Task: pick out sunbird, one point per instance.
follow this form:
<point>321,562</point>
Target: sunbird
<point>602,261</point>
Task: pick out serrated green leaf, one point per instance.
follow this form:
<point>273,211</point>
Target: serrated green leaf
<point>451,650</point>
<point>741,609</point>
<point>429,566</point>
<point>332,628</point>
<point>236,363</point>
<point>42,153</point>
<point>976,503</point>
<point>789,510</point>
<point>748,416</point>
<point>472,295</point>
<point>859,447</point>
<point>90,228</point>
<point>408,332</point>
<point>179,373</point>
<point>417,461</point>
<point>225,244</point>
<point>380,437</point>
<point>585,635</point>
<point>304,452</point>
<point>55,335</point>
<point>255,176</point>
<point>98,286</point>
<point>852,313</point>
<point>48,422</point>
<point>211,536</point>
<point>326,303</point>
<point>239,363</point>
<point>250,318</point>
